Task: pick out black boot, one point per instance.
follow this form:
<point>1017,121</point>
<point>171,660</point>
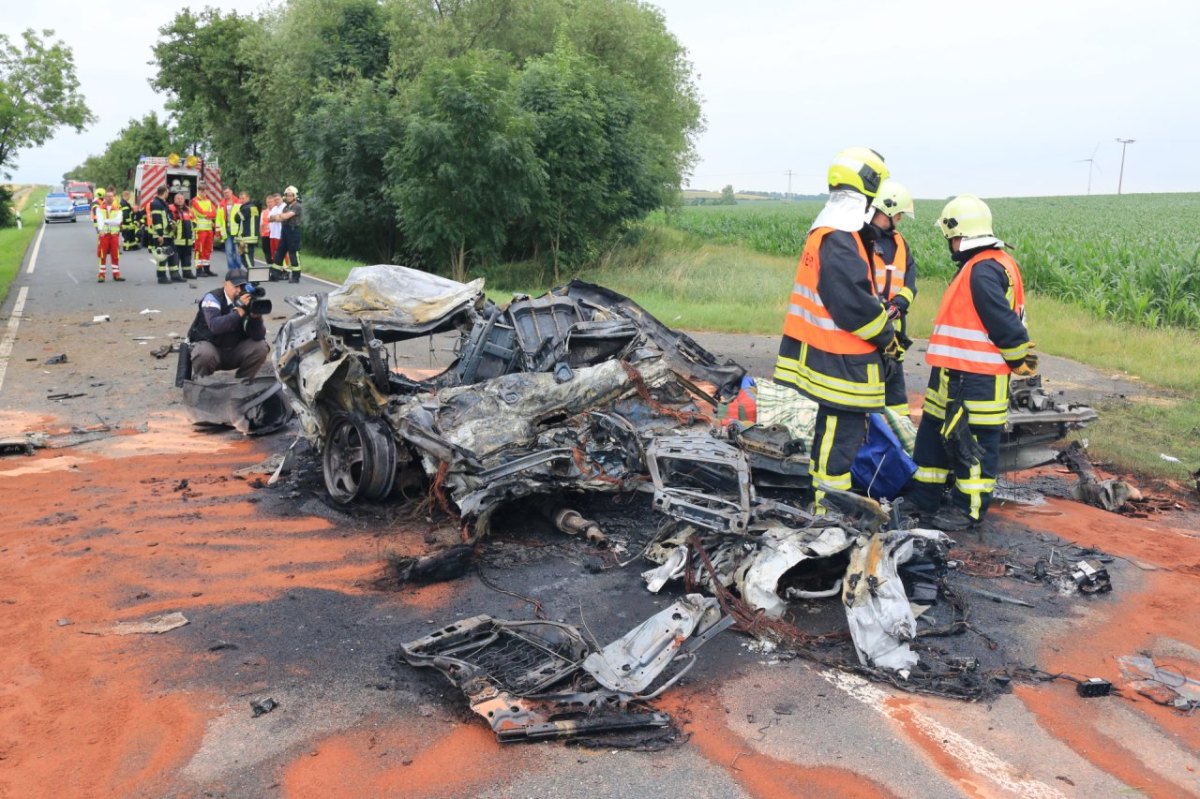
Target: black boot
<point>162,278</point>
<point>295,276</point>
<point>177,277</point>
<point>275,275</point>
<point>189,275</point>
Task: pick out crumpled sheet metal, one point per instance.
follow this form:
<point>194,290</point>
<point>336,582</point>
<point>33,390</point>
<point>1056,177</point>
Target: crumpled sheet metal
<point>631,663</point>
<point>525,434</point>
<point>253,406</point>
<point>533,680</point>
<point>396,298</point>
<point>511,410</point>
<point>781,549</point>
<point>878,611</point>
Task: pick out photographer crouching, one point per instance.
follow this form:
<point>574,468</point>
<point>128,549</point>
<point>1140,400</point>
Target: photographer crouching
<point>228,332</point>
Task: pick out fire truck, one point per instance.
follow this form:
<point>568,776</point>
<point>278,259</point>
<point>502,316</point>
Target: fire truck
<point>191,175</point>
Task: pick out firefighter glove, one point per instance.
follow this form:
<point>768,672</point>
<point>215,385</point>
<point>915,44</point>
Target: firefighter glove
<point>894,349</point>
<point>1029,366</point>
<point>960,443</point>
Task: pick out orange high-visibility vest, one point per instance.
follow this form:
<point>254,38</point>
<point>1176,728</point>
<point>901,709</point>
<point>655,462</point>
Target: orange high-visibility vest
<point>959,340</point>
<point>898,269</point>
<point>807,318</point>
<point>204,212</point>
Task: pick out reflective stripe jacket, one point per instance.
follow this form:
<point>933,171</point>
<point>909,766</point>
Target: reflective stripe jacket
<point>204,213</point>
<point>106,218</point>
<point>245,222</point>
<point>891,256</point>
<point>128,220</point>
<point>158,218</point>
<point>980,326</point>
<point>835,325</point>
<point>225,219</point>
<point>182,227</point>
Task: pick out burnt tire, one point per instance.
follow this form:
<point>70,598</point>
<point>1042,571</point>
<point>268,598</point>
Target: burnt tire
<point>359,458</point>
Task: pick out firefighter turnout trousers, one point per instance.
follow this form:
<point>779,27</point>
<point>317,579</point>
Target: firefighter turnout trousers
<point>985,401</point>
<point>837,437</point>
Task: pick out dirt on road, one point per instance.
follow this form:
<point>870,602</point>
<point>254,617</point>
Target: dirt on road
<point>279,590</point>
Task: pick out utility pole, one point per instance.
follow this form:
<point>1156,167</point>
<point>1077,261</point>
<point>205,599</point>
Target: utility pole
<point>789,191</point>
<point>1121,177</point>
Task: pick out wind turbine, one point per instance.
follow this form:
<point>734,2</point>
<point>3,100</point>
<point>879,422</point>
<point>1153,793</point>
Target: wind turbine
<point>1091,162</point>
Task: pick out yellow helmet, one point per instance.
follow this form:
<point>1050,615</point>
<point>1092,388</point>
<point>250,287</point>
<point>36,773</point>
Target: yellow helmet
<point>893,199</point>
<point>860,168</point>
<point>99,192</point>
<point>967,216</point>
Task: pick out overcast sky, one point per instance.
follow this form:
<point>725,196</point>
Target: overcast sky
<point>998,99</point>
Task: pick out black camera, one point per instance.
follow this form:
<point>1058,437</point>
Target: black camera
<point>258,305</point>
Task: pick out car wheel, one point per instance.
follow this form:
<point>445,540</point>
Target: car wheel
<point>359,461</point>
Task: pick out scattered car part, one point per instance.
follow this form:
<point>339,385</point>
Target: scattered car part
<point>780,550</point>
<point>253,405</point>
<point>1093,687</point>
<point>1036,420</point>
<point>878,611</point>
<point>701,480</point>
<point>1091,577</point>
<point>260,708</point>
<point>1111,495</point>
<point>632,663</point>
<point>531,681</point>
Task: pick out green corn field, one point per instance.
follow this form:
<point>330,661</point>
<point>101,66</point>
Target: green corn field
<point>1133,259</point>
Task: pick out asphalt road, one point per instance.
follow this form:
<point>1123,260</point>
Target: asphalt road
<point>322,644</point>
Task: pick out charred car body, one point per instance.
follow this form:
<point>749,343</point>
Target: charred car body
<point>563,392</point>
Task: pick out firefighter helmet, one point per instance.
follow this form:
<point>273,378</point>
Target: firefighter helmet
<point>859,168</point>
<point>99,192</point>
<point>893,199</point>
<point>967,216</point>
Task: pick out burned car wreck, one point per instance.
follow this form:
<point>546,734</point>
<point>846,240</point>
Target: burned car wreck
<point>579,393</point>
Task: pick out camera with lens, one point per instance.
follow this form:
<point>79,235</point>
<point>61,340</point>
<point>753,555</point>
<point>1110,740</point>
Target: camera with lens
<point>258,303</point>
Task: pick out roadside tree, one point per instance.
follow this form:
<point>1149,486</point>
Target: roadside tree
<point>39,93</point>
<point>466,168</point>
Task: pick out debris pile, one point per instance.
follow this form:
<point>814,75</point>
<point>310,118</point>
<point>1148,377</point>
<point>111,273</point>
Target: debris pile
<point>582,393</point>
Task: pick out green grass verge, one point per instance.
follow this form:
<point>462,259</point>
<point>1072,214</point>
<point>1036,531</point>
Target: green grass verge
<point>14,242</point>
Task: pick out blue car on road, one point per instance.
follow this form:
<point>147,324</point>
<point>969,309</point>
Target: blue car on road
<point>59,208</point>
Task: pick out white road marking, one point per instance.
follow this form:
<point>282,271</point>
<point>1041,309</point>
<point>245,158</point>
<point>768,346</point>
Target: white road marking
<point>970,754</point>
<point>37,246</point>
<point>10,332</point>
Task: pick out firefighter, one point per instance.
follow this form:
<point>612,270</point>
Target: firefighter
<point>837,338</point>
<point>291,218</point>
<point>245,221</point>
<point>185,236</point>
<point>979,339</point>
<point>106,216</point>
<point>204,216</point>
<point>160,228</point>
<point>129,222</point>
<point>895,278</point>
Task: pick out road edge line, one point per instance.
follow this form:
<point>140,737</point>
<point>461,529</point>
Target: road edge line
<point>10,333</point>
<point>37,246</point>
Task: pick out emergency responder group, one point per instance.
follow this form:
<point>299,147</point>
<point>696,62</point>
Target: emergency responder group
<point>180,234</point>
<point>844,340</point>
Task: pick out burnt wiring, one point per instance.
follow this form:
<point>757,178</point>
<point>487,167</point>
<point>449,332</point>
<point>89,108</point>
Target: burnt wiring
<point>538,610</point>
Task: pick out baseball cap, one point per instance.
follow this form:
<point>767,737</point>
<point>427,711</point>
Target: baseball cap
<point>236,275</point>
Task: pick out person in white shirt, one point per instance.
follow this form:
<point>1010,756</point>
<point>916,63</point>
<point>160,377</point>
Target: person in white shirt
<point>276,228</point>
